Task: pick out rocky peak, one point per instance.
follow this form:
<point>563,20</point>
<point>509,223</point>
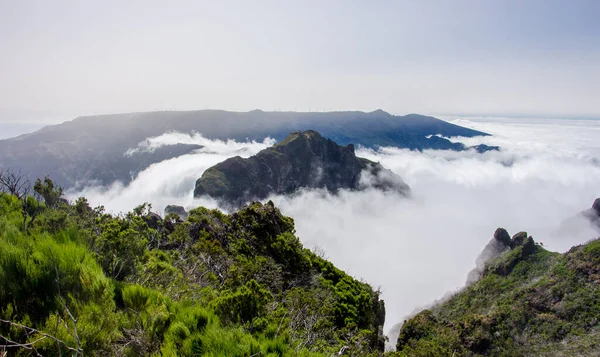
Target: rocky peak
<point>302,160</point>
<point>497,246</point>
<point>596,206</point>
<point>518,239</point>
<point>502,236</point>
<point>590,214</point>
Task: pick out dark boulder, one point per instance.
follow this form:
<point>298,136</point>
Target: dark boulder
<point>529,247</point>
<point>502,236</point>
<point>153,220</point>
<point>518,240</point>
<point>179,210</point>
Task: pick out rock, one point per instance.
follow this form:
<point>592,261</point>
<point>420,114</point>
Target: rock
<point>499,244</point>
<point>502,236</point>
<point>593,214</point>
<point>523,245</point>
<point>153,220</point>
<point>302,160</point>
<point>481,148</point>
<point>518,239</point>
<point>179,210</point>
<point>581,222</point>
<point>596,207</point>
<point>529,247</point>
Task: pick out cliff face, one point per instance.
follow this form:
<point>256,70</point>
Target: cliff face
<point>302,160</point>
<point>524,301</point>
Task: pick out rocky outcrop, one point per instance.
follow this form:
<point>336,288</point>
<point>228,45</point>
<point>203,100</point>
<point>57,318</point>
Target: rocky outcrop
<point>521,246</point>
<point>153,220</point>
<point>502,236</point>
<point>302,160</point>
<point>498,245</point>
<point>585,223</point>
<point>178,210</point>
<point>593,214</point>
<point>78,151</point>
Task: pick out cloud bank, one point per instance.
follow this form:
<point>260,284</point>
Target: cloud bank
<point>415,249</point>
<point>170,181</point>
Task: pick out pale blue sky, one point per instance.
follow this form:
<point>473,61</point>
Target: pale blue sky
<point>68,58</point>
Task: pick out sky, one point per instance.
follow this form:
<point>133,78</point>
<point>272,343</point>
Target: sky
<point>419,249</point>
<point>61,59</point>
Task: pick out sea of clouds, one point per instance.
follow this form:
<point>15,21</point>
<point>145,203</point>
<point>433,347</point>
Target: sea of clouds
<point>419,249</point>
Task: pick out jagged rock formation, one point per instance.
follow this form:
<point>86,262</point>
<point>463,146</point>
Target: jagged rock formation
<point>527,302</point>
<point>93,147</point>
<point>302,160</point>
<point>500,243</point>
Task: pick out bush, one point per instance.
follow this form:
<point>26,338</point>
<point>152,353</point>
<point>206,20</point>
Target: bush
<point>245,304</point>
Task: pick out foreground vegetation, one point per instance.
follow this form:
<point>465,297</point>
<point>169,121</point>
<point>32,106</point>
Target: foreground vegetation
<point>529,302</point>
<point>79,281</point>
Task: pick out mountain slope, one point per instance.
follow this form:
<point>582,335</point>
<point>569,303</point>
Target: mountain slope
<point>528,302</point>
<point>77,281</point>
<point>92,148</point>
<point>301,160</point>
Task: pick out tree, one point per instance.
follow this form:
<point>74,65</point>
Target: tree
<point>31,208</point>
<point>15,183</point>
<point>51,195</point>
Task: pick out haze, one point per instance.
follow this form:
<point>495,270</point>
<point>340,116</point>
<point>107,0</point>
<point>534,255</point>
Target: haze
<point>61,59</point>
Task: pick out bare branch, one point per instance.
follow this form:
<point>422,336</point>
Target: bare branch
<point>15,183</point>
<point>75,335</point>
<point>31,330</point>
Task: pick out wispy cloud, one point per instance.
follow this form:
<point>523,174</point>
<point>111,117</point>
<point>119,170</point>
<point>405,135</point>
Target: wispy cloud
<point>209,146</point>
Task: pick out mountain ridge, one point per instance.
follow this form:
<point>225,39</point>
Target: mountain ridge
<point>79,281</point>
<point>524,301</point>
<point>91,148</point>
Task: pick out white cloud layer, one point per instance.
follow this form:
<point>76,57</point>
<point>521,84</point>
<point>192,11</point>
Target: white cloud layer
<point>420,248</point>
<point>170,181</point>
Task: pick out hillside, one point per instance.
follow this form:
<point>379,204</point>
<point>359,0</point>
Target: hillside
<point>78,281</point>
<point>301,160</point>
<point>92,148</point>
<point>528,302</point>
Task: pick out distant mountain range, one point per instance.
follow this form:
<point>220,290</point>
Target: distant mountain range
<point>93,148</point>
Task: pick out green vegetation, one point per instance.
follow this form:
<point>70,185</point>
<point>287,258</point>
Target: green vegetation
<point>78,281</point>
<point>529,302</point>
